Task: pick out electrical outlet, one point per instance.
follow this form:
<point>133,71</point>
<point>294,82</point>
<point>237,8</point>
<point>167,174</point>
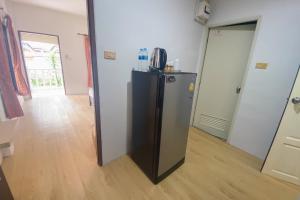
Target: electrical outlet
<point>110,55</point>
<point>262,65</point>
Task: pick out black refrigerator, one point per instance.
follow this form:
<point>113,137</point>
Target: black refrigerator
<point>162,104</point>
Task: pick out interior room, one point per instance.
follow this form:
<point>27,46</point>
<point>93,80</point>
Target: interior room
<point>173,99</point>
<point>50,96</point>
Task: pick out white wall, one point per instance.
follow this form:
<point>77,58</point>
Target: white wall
<point>66,26</point>
<point>125,28</point>
<point>265,93</point>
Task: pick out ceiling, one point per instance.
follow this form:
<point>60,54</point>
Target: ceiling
<point>77,7</point>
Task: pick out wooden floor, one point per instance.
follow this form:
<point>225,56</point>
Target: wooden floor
<point>55,159</point>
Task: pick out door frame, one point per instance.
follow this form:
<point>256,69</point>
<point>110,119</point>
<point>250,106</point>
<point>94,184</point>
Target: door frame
<point>23,58</point>
<point>92,35</point>
<point>201,60</point>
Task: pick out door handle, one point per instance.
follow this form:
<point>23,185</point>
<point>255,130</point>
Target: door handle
<point>238,90</point>
<point>296,100</point>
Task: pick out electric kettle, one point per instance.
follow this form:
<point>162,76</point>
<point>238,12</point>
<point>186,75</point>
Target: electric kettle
<point>159,59</point>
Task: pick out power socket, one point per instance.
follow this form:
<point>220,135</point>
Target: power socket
<point>110,55</point>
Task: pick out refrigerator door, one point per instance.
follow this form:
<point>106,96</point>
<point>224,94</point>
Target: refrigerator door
<point>144,94</point>
<point>177,105</point>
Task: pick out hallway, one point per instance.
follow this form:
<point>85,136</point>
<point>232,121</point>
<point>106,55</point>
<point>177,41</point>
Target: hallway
<point>55,159</point>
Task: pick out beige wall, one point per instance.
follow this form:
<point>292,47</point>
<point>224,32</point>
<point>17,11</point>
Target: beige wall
<point>66,26</point>
<point>3,4</point>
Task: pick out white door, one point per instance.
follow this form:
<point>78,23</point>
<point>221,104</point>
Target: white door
<point>225,62</point>
<point>283,160</point>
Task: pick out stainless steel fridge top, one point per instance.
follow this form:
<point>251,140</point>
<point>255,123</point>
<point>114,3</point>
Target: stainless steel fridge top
<point>163,72</point>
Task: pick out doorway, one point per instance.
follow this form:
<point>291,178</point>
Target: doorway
<point>225,61</point>
<point>282,160</point>
<point>42,59</point>
<point>62,131</point>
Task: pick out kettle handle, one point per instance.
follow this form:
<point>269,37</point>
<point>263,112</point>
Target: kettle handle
<point>163,59</point>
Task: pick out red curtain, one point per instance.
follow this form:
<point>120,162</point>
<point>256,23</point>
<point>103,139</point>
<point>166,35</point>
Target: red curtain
<point>18,67</point>
<point>88,60</point>
<point>9,97</point>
